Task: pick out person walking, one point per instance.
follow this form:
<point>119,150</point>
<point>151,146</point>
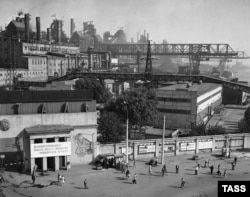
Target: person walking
<point>165,168</point>
<point>63,180</point>
<point>233,165</point>
<point>162,171</point>
<point>127,173</point>
<point>205,165</point>
<point>134,179</point>
<point>85,184</point>
<point>219,170</point>
<point>235,160</point>
<point>196,170</point>
<point>150,170</point>
<point>177,169</point>
<point>212,169</point>
<point>182,182</point>
<point>225,174</point>
<point>33,176</point>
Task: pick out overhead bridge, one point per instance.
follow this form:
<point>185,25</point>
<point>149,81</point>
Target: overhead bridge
<point>154,78</point>
<point>214,51</point>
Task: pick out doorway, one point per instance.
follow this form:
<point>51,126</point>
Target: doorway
<point>51,163</point>
<point>62,162</point>
<point>39,163</point>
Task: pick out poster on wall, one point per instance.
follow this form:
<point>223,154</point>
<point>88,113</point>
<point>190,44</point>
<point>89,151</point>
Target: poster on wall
<point>205,144</point>
<point>50,149</point>
<point>129,150</point>
<point>187,145</point>
<point>146,149</point>
<point>168,147</point>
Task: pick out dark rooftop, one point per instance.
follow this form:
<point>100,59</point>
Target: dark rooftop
<point>48,129</point>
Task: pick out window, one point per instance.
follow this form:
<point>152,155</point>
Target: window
<point>181,100</point>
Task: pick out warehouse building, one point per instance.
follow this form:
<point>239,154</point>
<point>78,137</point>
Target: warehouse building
<point>48,129</point>
<point>186,105</point>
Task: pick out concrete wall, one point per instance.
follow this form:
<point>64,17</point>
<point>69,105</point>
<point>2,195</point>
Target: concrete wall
<point>179,146</point>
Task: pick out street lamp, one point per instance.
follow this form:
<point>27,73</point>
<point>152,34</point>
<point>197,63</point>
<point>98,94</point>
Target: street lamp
<point>126,105</point>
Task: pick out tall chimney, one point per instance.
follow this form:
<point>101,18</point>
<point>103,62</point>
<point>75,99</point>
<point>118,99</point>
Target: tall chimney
<point>58,31</point>
<point>137,37</point>
<point>38,29</point>
<point>144,33</point>
<point>72,26</point>
<point>48,35</point>
<point>147,36</point>
<point>27,26</point>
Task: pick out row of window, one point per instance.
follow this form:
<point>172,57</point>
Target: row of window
<point>175,111</point>
<point>38,61</point>
<point>181,100</point>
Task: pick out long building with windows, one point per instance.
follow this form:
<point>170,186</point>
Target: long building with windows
<point>186,105</point>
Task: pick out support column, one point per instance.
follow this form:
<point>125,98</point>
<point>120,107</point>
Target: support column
<point>57,157</point>
<point>45,158</point>
<point>176,147</point>
<point>68,163</point>
<point>32,160</point>
<point>135,151</point>
<point>196,146</point>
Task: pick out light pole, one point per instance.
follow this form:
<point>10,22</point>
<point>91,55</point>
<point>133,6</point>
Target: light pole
<point>126,105</point>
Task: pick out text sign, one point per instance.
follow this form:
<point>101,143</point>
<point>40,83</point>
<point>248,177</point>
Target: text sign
<point>187,146</point>
<point>50,149</point>
<point>147,149</point>
<point>205,144</point>
<point>233,188</point>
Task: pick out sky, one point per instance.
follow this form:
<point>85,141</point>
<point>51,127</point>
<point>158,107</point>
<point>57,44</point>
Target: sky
<point>177,21</point>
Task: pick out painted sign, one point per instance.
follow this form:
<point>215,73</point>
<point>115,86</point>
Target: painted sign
<point>205,144</point>
<point>50,149</point>
<point>146,149</point>
<point>187,146</point>
<point>168,147</point>
<point>129,150</point>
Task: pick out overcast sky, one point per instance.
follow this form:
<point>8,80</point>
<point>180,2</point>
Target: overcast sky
<point>177,21</point>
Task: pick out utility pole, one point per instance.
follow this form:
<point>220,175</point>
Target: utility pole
<point>163,137</point>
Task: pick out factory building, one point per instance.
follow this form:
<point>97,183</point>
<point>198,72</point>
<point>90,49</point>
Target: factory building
<point>187,105</point>
<point>52,130</point>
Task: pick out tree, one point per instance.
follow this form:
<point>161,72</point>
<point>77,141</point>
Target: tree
<point>140,105</point>
<point>101,93</point>
<point>110,127</point>
<point>216,130</point>
<point>199,129</point>
<point>247,116</point>
<point>243,126</point>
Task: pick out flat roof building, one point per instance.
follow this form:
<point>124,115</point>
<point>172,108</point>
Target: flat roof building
<point>186,105</point>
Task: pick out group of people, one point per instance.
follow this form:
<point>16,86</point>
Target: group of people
<point>61,179</point>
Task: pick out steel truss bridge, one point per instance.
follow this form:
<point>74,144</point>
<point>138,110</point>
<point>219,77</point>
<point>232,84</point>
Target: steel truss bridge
<point>154,78</point>
<point>194,52</point>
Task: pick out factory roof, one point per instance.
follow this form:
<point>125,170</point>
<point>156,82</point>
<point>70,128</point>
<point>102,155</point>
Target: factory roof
<point>48,129</point>
<point>195,87</point>
<point>18,24</point>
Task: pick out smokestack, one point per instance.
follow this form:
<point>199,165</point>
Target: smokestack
<point>147,36</point>
<point>137,36</point>
<point>72,26</point>
<point>58,31</point>
<point>144,33</point>
<point>38,29</point>
<point>48,35</point>
<point>27,26</point>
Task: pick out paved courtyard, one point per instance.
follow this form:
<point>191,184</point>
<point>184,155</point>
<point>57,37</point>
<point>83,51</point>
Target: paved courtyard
<point>112,183</point>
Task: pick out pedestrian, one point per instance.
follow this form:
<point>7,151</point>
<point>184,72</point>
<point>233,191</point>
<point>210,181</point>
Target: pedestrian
<point>225,174</point>
<point>219,171</point>
<point>196,170</point>
<point>150,170</point>
<point>63,180</point>
<point>209,163</point>
<point>1,179</point>
<point>33,176</point>
<point>163,171</point>
<point>212,169</point>
<point>177,169</point>
<point>205,165</point>
<point>233,165</point>
<point>235,160</point>
<point>165,168</point>
<point>59,177</point>
<point>127,173</point>
<point>182,182</point>
<point>134,179</point>
<point>198,164</point>
<point>85,184</point>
